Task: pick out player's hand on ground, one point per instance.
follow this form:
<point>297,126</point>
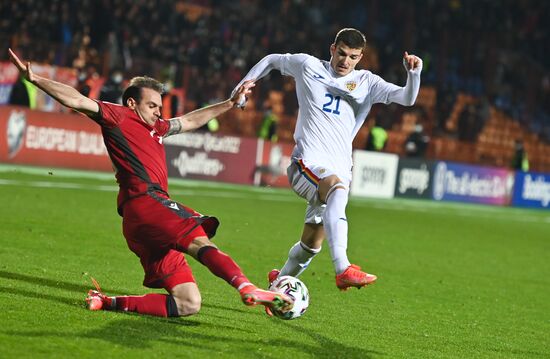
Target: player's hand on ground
<point>24,69</point>
<point>412,62</point>
<point>240,96</point>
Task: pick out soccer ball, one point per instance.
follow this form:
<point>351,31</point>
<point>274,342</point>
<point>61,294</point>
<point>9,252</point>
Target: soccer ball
<point>295,289</point>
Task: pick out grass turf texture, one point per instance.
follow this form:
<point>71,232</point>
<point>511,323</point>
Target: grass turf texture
<point>455,280</point>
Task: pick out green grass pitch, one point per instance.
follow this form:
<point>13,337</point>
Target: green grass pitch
<point>455,280</point>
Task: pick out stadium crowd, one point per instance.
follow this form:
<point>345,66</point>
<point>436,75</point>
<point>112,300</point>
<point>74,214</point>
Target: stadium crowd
<point>492,50</point>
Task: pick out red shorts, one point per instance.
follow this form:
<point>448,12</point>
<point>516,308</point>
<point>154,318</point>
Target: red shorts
<point>158,230</point>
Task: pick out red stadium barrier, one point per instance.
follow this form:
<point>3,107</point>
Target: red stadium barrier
<point>275,158</point>
<point>73,141</point>
<point>203,156</point>
<point>51,139</point>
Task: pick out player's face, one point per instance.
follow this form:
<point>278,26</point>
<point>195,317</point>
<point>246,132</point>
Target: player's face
<point>149,107</point>
<point>343,58</point>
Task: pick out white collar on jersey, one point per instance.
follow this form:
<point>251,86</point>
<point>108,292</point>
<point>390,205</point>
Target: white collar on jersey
<point>334,74</point>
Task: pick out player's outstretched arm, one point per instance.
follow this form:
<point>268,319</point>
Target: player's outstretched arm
<point>64,94</point>
<point>261,69</point>
<point>200,117</point>
<point>407,95</point>
<point>412,62</point>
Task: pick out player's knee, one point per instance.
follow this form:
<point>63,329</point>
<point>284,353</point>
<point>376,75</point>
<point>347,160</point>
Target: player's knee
<point>187,299</point>
<point>339,186</point>
<point>328,185</point>
<point>188,306</point>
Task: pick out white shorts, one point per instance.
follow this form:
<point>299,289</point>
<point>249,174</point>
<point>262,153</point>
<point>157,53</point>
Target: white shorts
<point>304,179</point>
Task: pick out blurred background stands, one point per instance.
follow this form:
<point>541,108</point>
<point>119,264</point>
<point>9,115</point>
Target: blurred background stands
<point>486,82</point>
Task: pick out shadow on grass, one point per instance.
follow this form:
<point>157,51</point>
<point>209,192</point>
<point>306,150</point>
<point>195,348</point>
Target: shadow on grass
<point>46,282</point>
<point>240,309</point>
<point>330,348</point>
<point>39,295</point>
<point>148,332</point>
<point>144,332</point>
<point>71,287</point>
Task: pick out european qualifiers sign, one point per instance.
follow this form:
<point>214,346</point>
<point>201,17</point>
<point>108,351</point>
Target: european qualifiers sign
<point>414,178</point>
<point>47,139</point>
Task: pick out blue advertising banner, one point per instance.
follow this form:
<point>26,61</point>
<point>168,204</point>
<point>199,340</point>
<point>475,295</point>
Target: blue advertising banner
<point>465,183</point>
<point>532,189</point>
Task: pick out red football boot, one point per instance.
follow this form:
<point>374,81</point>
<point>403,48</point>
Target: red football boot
<point>354,277</point>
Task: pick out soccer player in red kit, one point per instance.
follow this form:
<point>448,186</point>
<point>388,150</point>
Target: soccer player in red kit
<point>157,229</point>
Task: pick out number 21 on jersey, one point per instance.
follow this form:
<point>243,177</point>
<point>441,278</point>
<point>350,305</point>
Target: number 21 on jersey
<point>332,105</point>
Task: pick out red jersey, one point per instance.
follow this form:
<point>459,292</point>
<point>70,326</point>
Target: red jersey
<point>136,150</point>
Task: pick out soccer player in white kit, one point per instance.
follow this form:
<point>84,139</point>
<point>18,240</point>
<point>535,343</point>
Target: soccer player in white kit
<point>334,100</point>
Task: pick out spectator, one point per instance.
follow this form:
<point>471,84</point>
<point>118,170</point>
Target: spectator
<point>476,46</point>
<point>520,162</point>
<point>268,127</point>
<point>417,142</point>
<point>378,137</point>
<point>23,93</point>
<point>467,124</point>
<point>82,85</point>
<point>111,91</point>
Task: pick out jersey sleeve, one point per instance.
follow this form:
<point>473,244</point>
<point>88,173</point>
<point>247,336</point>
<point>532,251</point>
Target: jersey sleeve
<point>380,90</point>
<point>109,115</point>
<point>386,92</point>
<point>292,64</point>
<point>287,64</point>
<point>161,127</point>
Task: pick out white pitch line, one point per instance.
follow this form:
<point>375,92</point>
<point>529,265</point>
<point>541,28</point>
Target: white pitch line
<point>472,211</point>
<point>59,185</point>
<point>458,211</point>
<point>107,188</point>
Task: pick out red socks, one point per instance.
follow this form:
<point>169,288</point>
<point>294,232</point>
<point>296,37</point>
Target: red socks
<point>221,265</point>
<point>159,305</point>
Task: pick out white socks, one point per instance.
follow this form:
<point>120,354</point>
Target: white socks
<point>336,227</point>
<point>299,258</point>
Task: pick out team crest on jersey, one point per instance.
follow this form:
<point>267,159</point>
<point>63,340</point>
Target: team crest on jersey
<point>155,136</point>
<point>351,85</point>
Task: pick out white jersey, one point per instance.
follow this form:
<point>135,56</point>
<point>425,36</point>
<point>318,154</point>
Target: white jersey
<point>332,108</point>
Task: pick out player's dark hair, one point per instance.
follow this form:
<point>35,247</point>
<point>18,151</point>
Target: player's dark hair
<point>136,84</point>
<point>352,38</point>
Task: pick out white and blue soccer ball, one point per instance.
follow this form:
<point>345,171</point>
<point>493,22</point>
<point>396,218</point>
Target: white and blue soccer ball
<point>295,289</point>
